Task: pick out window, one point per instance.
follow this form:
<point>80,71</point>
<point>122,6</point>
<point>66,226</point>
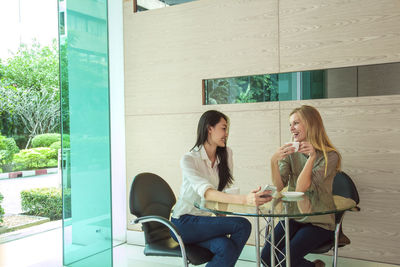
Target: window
<point>265,88</point>
<point>354,81</point>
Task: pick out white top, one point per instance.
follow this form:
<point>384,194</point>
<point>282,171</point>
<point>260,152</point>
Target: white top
<point>197,177</point>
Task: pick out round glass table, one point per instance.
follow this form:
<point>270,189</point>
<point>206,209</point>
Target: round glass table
<point>304,208</point>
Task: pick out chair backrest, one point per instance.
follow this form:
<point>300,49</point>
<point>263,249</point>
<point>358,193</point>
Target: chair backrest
<point>345,187</point>
<point>151,195</point>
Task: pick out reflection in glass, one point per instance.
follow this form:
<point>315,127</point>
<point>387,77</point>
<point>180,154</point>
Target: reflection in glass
<point>372,80</point>
<point>143,5</point>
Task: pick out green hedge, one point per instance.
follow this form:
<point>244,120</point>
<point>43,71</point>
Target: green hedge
<point>1,209</point>
<point>56,145</point>
<point>45,140</point>
<point>44,202</point>
<point>34,158</point>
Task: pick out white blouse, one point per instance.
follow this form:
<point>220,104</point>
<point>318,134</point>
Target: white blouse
<point>197,177</point>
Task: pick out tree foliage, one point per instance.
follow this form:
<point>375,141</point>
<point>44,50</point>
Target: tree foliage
<point>29,92</point>
<point>8,148</point>
<point>248,89</point>
<point>33,67</point>
<point>1,209</point>
<point>37,110</point>
<point>64,86</point>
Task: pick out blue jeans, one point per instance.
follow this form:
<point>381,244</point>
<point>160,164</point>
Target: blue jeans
<point>304,237</point>
<point>223,236</point>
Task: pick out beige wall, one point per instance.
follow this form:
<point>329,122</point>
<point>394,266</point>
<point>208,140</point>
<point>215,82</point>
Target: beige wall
<point>318,34</point>
<point>169,51</point>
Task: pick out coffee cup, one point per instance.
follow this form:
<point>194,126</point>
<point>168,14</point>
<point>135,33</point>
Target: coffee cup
<point>296,145</point>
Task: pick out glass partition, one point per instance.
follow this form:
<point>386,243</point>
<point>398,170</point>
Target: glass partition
<point>87,225</point>
<point>371,80</point>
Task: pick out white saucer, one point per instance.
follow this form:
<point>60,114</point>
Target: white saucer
<point>292,194</point>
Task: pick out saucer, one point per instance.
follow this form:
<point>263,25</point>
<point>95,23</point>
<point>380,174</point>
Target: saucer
<point>292,194</point>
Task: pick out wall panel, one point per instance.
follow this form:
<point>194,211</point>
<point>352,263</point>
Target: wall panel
<point>318,34</point>
<point>251,147</point>
<point>169,51</point>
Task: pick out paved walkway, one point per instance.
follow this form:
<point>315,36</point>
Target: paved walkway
<point>11,189</point>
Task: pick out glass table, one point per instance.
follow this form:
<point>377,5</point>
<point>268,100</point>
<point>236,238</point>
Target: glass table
<point>304,208</point>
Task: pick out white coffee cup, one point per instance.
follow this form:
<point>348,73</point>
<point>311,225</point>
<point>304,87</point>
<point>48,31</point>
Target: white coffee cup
<point>233,190</point>
<point>295,145</point>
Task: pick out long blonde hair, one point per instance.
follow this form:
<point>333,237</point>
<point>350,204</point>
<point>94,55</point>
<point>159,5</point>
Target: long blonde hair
<point>316,133</point>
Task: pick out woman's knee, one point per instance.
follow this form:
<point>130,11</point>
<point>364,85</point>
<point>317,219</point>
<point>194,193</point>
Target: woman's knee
<point>244,225</point>
<point>226,253</point>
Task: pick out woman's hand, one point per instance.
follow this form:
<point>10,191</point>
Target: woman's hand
<point>283,152</point>
<point>258,197</point>
<point>307,149</point>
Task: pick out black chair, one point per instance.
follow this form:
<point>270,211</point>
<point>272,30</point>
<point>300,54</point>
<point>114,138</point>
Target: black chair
<point>151,200</point>
<point>345,187</point>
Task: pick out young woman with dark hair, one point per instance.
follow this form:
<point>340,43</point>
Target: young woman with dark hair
<point>207,171</point>
<point>311,169</point>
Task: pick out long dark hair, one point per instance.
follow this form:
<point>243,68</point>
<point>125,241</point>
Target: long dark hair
<point>211,118</point>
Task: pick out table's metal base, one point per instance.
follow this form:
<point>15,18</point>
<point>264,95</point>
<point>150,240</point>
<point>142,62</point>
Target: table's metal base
<point>275,261</point>
<point>270,234</point>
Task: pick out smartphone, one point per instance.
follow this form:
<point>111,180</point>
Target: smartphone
<point>271,188</point>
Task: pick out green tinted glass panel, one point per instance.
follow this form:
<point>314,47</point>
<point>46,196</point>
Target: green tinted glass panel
<point>87,226</point>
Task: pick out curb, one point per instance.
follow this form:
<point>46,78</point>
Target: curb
<point>19,174</point>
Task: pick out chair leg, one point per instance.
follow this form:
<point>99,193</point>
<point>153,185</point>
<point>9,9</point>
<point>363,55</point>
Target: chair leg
<point>182,246</point>
<point>163,221</point>
<point>335,251</point>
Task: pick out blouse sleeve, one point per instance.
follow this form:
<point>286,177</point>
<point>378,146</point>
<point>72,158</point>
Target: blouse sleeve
<point>284,169</point>
<point>199,183</point>
<point>318,171</point>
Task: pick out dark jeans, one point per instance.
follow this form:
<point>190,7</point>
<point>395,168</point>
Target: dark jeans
<point>223,236</point>
<point>304,237</point>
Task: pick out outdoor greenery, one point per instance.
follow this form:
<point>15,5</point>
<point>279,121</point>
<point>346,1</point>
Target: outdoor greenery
<point>45,140</point>
<point>44,202</point>
<point>29,108</point>
<point>8,148</point>
<point>1,209</point>
<point>35,158</point>
<point>29,93</point>
<point>248,89</point>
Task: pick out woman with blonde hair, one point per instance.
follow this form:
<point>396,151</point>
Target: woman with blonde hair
<point>309,169</point>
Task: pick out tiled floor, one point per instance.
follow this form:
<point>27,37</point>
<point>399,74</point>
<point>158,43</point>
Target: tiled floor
<point>45,250</point>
